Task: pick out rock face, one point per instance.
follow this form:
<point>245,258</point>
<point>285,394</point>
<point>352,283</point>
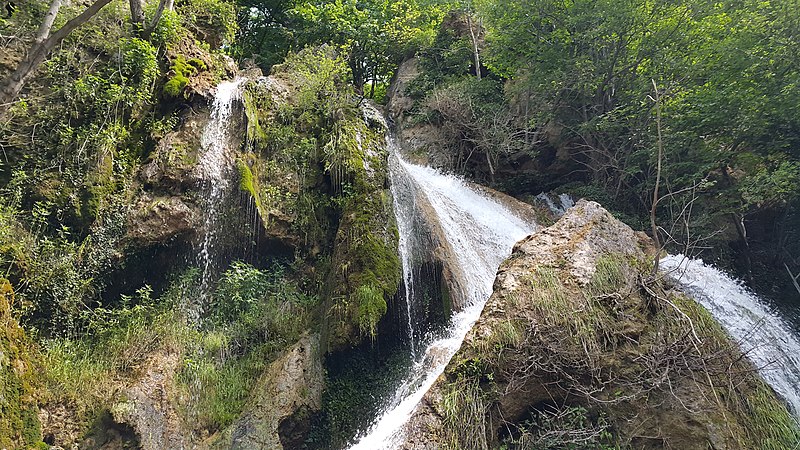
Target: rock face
<point>292,383</point>
<point>419,141</point>
<point>578,346</point>
<point>148,405</point>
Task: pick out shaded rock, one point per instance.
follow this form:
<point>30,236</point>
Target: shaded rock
<point>159,220</point>
<point>170,167</point>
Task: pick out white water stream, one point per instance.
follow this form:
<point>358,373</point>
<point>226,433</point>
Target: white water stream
<point>214,166</point>
<point>766,339</point>
<point>481,232</point>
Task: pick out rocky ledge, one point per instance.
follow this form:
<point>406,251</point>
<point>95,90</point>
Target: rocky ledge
<point>581,347</point>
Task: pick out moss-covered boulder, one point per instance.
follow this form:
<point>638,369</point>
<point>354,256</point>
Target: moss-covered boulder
<point>579,347</point>
<point>19,405</point>
<point>315,170</point>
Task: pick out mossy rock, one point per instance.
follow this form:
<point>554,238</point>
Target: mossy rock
<point>19,379</point>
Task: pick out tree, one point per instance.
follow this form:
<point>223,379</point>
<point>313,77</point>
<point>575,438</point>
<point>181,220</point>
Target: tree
<point>43,44</point>
<point>46,41</point>
<point>163,5</point>
<point>137,14</point>
<point>266,31</point>
<point>376,35</point>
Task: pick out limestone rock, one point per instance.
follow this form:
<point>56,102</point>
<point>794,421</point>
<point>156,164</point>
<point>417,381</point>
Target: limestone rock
<point>147,405</point>
<point>291,383</point>
<point>575,326</point>
<point>159,220</point>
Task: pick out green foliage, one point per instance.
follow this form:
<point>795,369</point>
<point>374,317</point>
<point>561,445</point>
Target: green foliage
<point>323,80</point>
<point>255,316</point>
<point>266,31</point>
<point>214,20</point>
<point>84,371</point>
<point>375,35</point>
<point>771,187</point>
<point>169,30</point>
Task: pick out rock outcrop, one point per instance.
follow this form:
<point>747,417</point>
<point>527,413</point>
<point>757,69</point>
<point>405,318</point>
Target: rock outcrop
<point>578,345</point>
<point>292,383</point>
<point>148,405</point>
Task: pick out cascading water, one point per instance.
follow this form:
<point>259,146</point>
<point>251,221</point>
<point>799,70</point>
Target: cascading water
<point>214,167</point>
<point>762,335</point>
<point>481,232</point>
<point>566,201</point>
<point>404,197</point>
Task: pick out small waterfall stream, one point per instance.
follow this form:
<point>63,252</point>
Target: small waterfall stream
<point>481,232</point>
<point>766,339</point>
<point>214,167</point>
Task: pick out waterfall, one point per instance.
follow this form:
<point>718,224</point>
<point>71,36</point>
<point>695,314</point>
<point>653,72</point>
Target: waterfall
<point>481,232</point>
<point>404,201</point>
<point>566,202</point>
<point>214,168</point>
<point>762,335</point>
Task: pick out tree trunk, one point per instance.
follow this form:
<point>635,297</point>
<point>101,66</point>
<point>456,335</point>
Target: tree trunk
<point>653,223</point>
<point>162,6</point>
<point>137,15</point>
<point>47,23</point>
<point>475,51</point>
<point>12,86</point>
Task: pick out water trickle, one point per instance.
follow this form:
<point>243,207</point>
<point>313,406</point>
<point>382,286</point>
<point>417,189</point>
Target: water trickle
<point>763,336</point>
<point>481,232</point>
<point>566,202</point>
<point>405,206</point>
<point>214,168</point>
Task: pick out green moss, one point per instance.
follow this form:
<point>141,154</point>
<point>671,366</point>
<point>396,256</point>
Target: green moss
<point>180,71</point>
<point>371,308</point>
<point>246,181</point>
<point>175,85</point>
<point>19,421</point>
<point>258,106</point>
